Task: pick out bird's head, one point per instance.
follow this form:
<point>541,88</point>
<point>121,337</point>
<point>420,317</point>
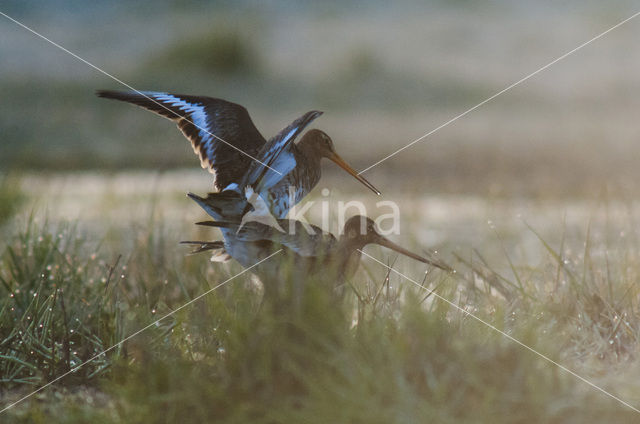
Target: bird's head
<point>361,230</point>
<point>320,145</point>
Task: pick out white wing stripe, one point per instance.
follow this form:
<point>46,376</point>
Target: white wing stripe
<point>198,116</point>
<point>287,137</point>
<point>277,146</point>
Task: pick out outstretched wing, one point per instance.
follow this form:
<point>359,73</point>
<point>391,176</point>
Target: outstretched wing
<point>277,155</point>
<point>221,133</point>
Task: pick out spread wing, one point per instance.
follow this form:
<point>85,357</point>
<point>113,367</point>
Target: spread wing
<point>278,155</point>
<point>221,133</point>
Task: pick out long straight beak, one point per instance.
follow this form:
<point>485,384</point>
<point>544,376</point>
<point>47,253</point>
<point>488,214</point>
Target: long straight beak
<point>383,241</point>
<point>334,157</point>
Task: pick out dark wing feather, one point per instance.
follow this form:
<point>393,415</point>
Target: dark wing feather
<point>319,243</point>
<point>226,205</point>
<point>219,251</point>
<point>202,246</point>
<point>278,155</point>
<point>221,132</point>
<point>296,237</point>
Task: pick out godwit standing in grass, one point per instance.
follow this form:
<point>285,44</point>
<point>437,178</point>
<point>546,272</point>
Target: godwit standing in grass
<point>315,253</point>
<point>234,151</point>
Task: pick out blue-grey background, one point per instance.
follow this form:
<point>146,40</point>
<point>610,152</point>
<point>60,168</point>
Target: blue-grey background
<point>384,74</point>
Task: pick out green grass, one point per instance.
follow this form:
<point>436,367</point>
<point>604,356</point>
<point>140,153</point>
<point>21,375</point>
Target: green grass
<point>387,353</point>
<point>11,199</point>
<point>221,50</point>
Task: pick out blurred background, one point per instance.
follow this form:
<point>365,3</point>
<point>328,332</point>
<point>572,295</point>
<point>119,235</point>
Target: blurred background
<point>532,198</point>
<point>383,74</point>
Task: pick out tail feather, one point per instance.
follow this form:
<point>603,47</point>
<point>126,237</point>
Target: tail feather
<point>218,224</point>
<point>221,206</point>
<point>218,251</point>
<point>202,246</point>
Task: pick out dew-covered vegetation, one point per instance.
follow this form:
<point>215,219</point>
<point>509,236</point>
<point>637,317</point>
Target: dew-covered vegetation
<point>390,351</point>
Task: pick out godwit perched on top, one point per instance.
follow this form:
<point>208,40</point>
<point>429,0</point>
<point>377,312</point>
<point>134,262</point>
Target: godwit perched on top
<point>234,151</point>
<point>309,254</point>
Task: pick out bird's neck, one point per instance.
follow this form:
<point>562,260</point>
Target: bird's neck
<point>348,246</point>
<point>349,258</point>
<point>307,149</point>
